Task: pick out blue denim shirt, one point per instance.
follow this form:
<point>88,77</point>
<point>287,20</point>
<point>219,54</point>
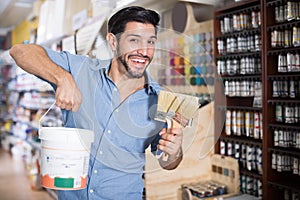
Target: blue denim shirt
<point>123,130</point>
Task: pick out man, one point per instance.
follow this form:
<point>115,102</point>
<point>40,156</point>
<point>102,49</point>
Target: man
<point>116,98</point>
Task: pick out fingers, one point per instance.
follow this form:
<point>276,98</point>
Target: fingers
<point>171,140</point>
<point>68,105</point>
<point>172,131</point>
<point>73,102</point>
<point>64,105</point>
<point>167,137</point>
<point>170,149</point>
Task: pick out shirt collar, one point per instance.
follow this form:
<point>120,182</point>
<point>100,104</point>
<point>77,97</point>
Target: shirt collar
<point>151,86</point>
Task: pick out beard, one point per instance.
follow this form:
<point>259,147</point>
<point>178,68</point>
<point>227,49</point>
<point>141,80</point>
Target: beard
<point>132,72</point>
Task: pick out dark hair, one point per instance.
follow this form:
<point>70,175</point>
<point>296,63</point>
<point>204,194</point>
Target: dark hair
<point>118,21</point>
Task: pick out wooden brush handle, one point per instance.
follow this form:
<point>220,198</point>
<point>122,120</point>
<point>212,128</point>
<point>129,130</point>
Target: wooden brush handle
<point>171,124</point>
<point>174,124</point>
<point>181,120</point>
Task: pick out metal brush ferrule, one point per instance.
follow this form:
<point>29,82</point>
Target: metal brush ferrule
<point>183,121</point>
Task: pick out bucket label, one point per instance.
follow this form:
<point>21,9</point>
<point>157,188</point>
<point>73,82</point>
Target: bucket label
<point>67,164</point>
<point>67,182</point>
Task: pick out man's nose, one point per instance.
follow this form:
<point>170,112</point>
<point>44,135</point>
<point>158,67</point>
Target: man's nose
<point>143,50</point>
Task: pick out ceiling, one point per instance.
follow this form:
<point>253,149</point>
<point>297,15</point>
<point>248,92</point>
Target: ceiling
<point>12,12</point>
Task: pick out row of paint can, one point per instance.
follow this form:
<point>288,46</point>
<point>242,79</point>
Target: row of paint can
<point>291,195</point>
<point>288,113</point>
<point>204,189</point>
<point>286,38</point>
<point>249,156</point>
<point>287,10</point>
<point>239,66</point>
<point>239,44</point>
<point>246,123</point>
<point>240,21</point>
<point>285,163</point>
<point>286,88</point>
<point>288,62</point>
<point>287,138</point>
<point>251,186</point>
<point>242,88</point>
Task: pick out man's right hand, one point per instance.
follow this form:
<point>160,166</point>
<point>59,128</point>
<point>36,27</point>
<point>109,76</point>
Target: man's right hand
<point>68,96</point>
<point>34,59</point>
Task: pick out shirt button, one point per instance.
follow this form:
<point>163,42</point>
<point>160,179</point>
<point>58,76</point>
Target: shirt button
<point>109,131</point>
<point>95,171</point>
<point>117,110</point>
<point>100,152</point>
<point>91,191</point>
<point>115,89</point>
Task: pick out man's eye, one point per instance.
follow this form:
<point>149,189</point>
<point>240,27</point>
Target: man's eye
<point>151,42</point>
<point>133,40</point>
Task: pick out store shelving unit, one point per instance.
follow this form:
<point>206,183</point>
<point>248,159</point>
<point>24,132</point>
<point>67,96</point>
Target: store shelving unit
<point>282,178</point>
<point>280,78</point>
<point>26,98</point>
<point>239,62</point>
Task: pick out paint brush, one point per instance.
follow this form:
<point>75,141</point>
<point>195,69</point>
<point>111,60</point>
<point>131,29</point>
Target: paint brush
<point>165,100</point>
<point>177,110</point>
<point>187,109</point>
<point>171,112</point>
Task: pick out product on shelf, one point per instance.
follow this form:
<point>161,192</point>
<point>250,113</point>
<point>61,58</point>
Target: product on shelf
<point>239,67</point>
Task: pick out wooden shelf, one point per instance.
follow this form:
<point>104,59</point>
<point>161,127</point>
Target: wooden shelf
<point>279,50</point>
<point>284,25</point>
<point>242,140</point>
<point>240,33</point>
<point>283,101</point>
<point>284,76</point>
<point>239,55</point>
<point>253,174</point>
<point>288,185</point>
<point>243,6</point>
<point>283,126</point>
<point>283,150</point>
<point>245,108</point>
<point>242,77</point>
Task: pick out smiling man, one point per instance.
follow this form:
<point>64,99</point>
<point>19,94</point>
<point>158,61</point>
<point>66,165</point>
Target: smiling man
<point>115,98</point>
<point>138,44</point>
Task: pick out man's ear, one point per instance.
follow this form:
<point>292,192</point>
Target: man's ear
<point>112,41</point>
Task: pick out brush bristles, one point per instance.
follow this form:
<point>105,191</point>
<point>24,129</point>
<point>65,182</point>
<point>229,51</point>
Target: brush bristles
<point>165,100</point>
<point>188,107</point>
<point>176,106</point>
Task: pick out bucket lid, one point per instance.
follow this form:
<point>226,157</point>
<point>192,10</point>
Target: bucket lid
<point>55,133</point>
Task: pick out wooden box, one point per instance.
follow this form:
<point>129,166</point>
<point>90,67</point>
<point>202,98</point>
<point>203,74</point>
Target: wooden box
<point>224,182</point>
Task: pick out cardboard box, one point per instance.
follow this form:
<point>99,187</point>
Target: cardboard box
<point>224,182</point>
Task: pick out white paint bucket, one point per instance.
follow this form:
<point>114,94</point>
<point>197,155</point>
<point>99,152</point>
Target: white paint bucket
<point>65,157</point>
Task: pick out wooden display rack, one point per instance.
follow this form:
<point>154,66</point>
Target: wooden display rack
<point>276,184</point>
<point>224,171</point>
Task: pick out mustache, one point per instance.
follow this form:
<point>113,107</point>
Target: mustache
<point>138,55</point>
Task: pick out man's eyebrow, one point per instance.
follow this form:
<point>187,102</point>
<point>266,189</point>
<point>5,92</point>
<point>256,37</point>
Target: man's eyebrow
<point>136,35</point>
<point>154,36</point>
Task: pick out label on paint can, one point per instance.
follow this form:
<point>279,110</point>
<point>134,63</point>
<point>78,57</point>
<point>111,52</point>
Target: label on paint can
<point>71,167</point>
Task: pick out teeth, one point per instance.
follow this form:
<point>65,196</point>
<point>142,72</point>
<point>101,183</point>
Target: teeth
<point>137,60</point>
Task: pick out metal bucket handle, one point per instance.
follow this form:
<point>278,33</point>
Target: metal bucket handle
<point>51,107</point>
